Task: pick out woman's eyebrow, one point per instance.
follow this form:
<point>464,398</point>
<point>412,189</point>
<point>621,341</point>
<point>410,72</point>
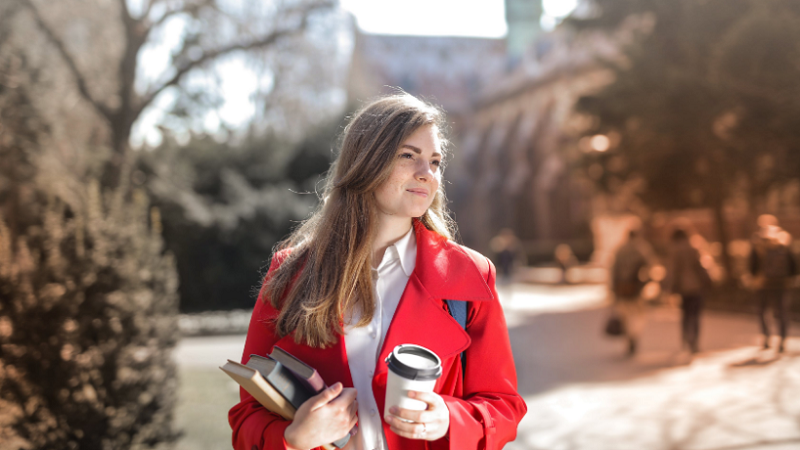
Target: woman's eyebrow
<point>417,150</point>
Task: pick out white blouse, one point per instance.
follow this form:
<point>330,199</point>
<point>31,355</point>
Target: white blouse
<point>364,343</point>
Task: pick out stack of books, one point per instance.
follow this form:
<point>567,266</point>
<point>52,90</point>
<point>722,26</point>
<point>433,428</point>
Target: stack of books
<point>280,382</point>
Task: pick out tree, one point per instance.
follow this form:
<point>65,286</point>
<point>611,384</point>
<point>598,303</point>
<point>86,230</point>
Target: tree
<point>705,104</point>
<point>87,317</point>
<point>225,206</point>
<point>213,29</point>
<point>88,295</point>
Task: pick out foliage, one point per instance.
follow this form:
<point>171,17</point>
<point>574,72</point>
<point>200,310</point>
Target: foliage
<point>225,206</point>
<point>705,99</point>
<point>706,102</point>
<point>87,297</point>
<point>87,325</point>
<point>209,31</point>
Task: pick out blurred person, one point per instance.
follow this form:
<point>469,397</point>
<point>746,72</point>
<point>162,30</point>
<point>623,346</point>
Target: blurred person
<point>687,277</point>
<point>772,267</point>
<point>371,269</point>
<point>627,281</point>
<point>506,249</point>
<point>564,259</point>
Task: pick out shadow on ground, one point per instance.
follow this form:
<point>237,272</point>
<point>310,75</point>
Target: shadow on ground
<point>583,393</point>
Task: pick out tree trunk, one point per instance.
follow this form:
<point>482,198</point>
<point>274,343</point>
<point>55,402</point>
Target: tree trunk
<point>121,125</point>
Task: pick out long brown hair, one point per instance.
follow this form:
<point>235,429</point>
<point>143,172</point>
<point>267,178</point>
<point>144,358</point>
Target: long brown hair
<point>328,272</point>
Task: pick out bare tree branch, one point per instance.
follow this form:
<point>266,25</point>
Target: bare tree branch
<point>104,110</point>
<point>185,9</point>
<point>164,18</point>
<point>148,9</point>
<point>210,55</point>
<point>126,13</point>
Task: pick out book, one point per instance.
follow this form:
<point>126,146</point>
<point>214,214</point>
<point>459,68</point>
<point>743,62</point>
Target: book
<point>282,379</point>
<point>305,373</point>
<point>252,381</point>
<point>308,377</point>
<point>275,387</point>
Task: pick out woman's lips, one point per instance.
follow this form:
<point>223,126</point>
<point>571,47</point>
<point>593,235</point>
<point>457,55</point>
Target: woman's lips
<point>420,192</point>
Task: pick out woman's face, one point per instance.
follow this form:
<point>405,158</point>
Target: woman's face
<point>415,177</point>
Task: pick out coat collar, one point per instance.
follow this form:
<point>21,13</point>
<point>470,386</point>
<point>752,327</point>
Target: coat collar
<point>443,271</point>
<point>446,270</point>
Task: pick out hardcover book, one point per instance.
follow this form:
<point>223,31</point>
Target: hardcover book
<point>279,388</point>
<point>305,373</point>
<point>252,381</point>
<point>282,379</point>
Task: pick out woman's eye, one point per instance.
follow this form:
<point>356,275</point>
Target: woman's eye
<point>436,163</point>
<point>407,155</point>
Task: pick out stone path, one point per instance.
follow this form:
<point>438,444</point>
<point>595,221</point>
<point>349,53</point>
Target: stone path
<point>582,393</point>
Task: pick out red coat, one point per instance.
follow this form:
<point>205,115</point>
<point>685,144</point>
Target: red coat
<point>484,405</point>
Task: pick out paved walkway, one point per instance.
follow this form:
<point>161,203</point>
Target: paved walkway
<point>582,393</point>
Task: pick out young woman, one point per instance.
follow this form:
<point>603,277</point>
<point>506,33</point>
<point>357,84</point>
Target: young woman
<point>369,271</point>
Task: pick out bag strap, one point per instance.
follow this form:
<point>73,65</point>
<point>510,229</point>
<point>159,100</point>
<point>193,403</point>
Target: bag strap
<point>458,310</point>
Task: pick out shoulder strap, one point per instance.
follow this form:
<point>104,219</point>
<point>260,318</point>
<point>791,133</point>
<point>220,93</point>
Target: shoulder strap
<point>458,309</point>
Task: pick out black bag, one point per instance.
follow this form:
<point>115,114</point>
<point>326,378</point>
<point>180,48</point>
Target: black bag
<point>615,326</point>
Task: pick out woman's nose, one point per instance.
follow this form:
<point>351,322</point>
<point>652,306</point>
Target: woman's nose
<point>424,172</point>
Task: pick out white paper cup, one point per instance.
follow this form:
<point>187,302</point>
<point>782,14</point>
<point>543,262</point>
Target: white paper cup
<point>411,368</point>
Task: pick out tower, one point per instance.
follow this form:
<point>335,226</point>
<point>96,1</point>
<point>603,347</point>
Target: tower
<point>523,18</point>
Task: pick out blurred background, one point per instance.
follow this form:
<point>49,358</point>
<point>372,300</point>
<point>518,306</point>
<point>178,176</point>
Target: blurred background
<point>153,152</point>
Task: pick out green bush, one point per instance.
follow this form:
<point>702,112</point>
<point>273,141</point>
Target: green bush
<point>88,302</point>
<point>87,325</point>
<point>225,206</point>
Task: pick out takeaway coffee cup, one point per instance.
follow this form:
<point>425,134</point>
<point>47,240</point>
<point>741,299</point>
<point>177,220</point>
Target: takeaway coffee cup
<point>411,367</point>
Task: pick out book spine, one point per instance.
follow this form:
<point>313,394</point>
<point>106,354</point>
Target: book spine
<point>285,382</point>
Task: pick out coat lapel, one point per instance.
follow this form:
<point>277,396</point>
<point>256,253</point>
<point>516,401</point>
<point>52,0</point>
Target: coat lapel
<point>443,270</point>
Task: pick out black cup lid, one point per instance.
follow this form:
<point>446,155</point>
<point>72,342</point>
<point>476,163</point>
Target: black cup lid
<point>414,373</point>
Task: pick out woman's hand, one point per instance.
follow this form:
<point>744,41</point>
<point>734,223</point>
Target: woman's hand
<point>323,418</point>
<point>429,425</point>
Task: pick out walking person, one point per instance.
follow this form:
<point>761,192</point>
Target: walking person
<point>506,248</point>
<point>565,260</point>
<point>370,270</point>
<point>773,267</point>
<point>687,277</point>
<point>628,278</point>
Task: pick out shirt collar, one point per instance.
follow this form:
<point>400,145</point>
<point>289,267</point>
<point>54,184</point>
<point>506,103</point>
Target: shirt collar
<point>404,250</point>
<point>407,249</point>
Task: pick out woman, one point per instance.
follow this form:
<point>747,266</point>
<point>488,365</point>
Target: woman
<point>371,270</point>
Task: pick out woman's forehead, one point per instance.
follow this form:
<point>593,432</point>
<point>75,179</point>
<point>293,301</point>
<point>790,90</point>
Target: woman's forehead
<point>422,138</point>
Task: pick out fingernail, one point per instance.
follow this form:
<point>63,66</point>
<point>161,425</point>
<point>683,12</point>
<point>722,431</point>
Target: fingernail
<point>412,394</point>
<point>393,410</point>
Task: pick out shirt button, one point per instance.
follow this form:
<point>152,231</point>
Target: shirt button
<point>373,412</point>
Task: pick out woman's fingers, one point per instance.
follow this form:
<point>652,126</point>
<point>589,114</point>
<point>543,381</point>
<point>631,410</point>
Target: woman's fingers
<point>411,430</point>
<point>354,409</point>
<point>430,424</point>
<point>428,397</point>
<point>411,415</point>
<point>326,396</point>
<point>345,399</point>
